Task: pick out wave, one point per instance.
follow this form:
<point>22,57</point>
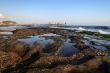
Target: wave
<point>103,32</point>
<point>82,29</point>
<point>94,30</point>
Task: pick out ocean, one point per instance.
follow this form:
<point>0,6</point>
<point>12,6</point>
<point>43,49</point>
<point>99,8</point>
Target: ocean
<point>100,29</point>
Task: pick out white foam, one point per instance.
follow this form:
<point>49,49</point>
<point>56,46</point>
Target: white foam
<point>81,29</point>
<point>103,32</point>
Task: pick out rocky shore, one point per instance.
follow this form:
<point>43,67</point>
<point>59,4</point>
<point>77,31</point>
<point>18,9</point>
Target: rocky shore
<point>17,56</point>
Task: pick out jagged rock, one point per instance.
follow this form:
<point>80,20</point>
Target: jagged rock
<point>53,48</point>
<point>8,59</point>
<point>38,48</point>
<point>21,49</point>
<point>95,65</point>
<point>51,61</point>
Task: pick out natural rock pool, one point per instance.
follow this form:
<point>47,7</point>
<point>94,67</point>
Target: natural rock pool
<point>46,50</point>
<point>96,42</point>
<point>68,48</point>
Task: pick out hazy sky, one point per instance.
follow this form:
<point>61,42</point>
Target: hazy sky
<point>44,11</point>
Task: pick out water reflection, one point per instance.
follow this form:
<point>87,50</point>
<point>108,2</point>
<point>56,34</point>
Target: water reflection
<point>6,33</point>
<point>38,39</point>
<point>68,48</point>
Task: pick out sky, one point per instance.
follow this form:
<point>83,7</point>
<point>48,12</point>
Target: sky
<point>84,12</point>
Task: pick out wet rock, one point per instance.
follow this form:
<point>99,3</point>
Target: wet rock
<point>75,38</point>
<point>21,67</point>
<point>38,48</point>
<point>49,48</point>
<point>95,65</point>
<point>108,47</point>
<point>47,59</point>
<point>53,61</point>
<point>102,52</point>
<point>17,47</point>
<point>21,49</point>
<point>81,45</point>
<point>51,70</point>
<point>58,39</point>
<point>92,42</point>
<point>7,44</point>
<point>37,31</point>
<point>88,51</point>
<point>24,32</point>
<point>53,48</point>
<point>8,59</point>
<point>50,61</point>
<point>1,37</point>
<point>2,45</point>
<point>92,66</point>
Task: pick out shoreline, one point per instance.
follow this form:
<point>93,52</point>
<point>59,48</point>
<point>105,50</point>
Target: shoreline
<point>27,51</point>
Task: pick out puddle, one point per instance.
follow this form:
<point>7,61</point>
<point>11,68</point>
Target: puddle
<point>67,50</point>
<point>6,33</point>
<point>39,38</point>
<point>50,35</point>
<point>101,47</point>
<point>7,29</point>
<point>102,42</point>
<point>33,39</point>
<point>99,43</point>
<point>11,28</point>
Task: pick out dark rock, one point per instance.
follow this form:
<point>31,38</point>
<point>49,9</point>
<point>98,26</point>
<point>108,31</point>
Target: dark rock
<point>8,59</point>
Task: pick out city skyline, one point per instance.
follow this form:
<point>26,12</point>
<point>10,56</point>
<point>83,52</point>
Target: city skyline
<point>85,12</point>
